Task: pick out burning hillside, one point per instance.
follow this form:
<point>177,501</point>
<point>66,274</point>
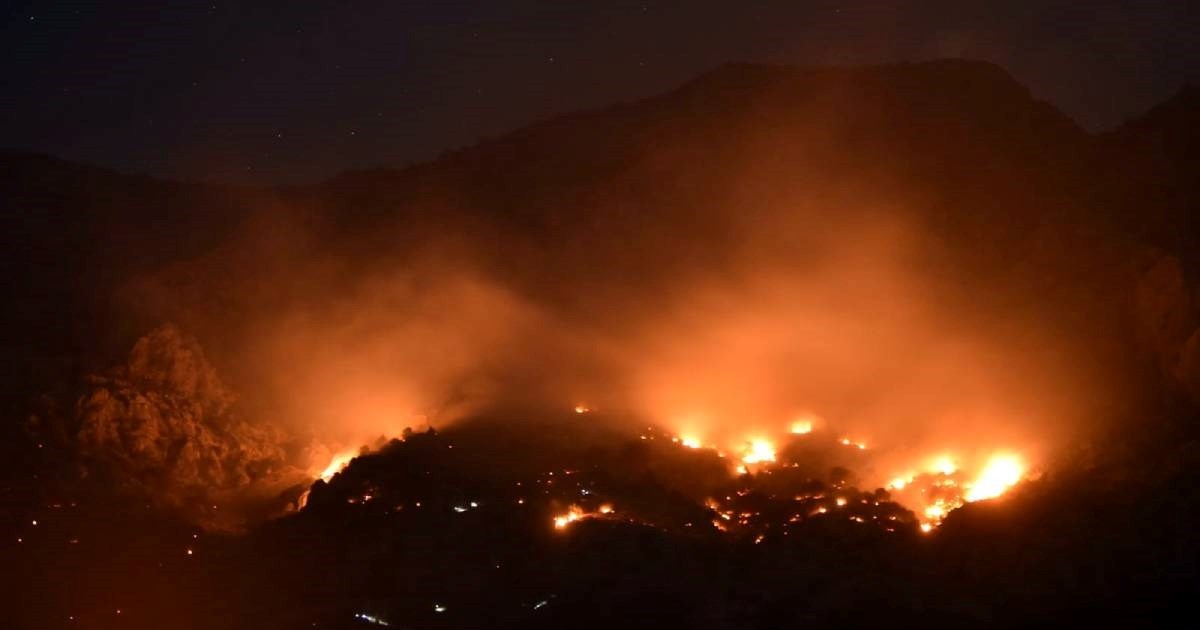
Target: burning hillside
<point>718,359</point>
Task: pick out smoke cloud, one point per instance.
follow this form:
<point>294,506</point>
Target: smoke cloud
<point>720,301</point>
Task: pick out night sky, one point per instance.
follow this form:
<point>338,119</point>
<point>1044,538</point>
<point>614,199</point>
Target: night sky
<point>286,91</point>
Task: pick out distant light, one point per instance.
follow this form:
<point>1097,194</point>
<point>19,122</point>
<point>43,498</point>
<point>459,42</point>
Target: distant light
<point>439,608</point>
<point>540,604</point>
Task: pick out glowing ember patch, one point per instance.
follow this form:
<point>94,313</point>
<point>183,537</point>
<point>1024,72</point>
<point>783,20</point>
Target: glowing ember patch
<point>690,442</point>
<point>606,509</point>
<point>841,501</point>
<point>1001,473</point>
<point>758,452</point>
<point>926,527</point>
<point>582,408</point>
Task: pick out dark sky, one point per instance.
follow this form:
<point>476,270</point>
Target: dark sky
<point>296,90</point>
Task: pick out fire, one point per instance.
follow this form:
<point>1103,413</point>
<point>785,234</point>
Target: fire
<point>947,487</point>
<point>339,462</point>
<point>759,451</point>
<point>802,425</point>
<point>575,513</point>
<point>1001,473</point>
<point>690,442</point>
<point>582,408</point>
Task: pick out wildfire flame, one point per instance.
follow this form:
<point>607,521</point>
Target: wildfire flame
<point>1001,473</point>
<point>575,513</point>
<point>337,464</point>
<point>803,425</point>
<point>759,451</point>
<point>943,489</point>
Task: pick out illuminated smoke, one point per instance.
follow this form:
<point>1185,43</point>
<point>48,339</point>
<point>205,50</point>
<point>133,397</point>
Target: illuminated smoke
<point>165,427</point>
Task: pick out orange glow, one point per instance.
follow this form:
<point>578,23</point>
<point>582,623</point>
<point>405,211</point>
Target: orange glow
<point>690,442</point>
<point>582,408</point>
<point>945,465</point>
<point>848,442</point>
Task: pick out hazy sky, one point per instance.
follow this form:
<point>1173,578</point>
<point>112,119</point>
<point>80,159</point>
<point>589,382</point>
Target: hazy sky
<point>284,91</point>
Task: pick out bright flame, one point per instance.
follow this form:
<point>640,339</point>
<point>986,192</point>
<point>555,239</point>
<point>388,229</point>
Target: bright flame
<point>1001,473</point>
<point>690,442</point>
<point>802,427</point>
<point>576,513</point>
<point>946,487</point>
<point>582,408</point>
<point>759,451</point>
<point>339,462</point>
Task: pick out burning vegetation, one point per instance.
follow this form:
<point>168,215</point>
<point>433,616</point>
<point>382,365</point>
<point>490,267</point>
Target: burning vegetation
<point>479,391</point>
